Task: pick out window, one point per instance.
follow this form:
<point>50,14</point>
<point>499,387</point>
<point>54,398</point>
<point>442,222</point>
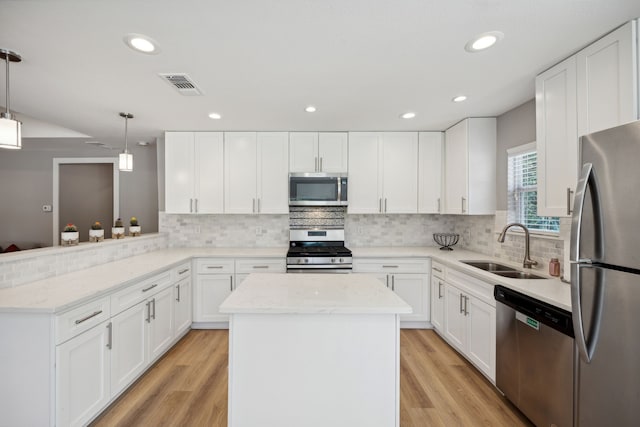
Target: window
<point>522,190</point>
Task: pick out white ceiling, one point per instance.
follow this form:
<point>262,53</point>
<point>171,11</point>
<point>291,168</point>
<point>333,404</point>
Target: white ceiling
<point>360,62</point>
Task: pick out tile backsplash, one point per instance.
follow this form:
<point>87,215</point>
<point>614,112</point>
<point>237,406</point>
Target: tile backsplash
<point>395,230</point>
<point>18,268</point>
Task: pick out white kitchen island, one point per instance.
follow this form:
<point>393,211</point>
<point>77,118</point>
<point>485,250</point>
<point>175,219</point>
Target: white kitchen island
<point>314,350</point>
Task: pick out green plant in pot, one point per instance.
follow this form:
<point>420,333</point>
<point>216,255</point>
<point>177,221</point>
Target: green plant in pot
<point>69,235</point>
<point>96,232</point>
<point>134,227</point>
<point>117,231</point>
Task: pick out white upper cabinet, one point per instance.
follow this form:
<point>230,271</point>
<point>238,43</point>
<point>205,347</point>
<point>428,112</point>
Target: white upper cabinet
<point>255,172</point>
<point>318,152</point>
<point>557,139</point>
<point>470,167</point>
<point>383,172</point>
<point>430,172</point>
<point>607,78</point>
<point>595,89</point>
<point>194,172</point>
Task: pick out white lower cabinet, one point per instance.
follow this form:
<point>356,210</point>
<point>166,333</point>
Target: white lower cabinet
<point>469,321</point>
<point>407,277</point>
<point>182,306</point>
<point>83,376</point>
<point>160,323</point>
<point>437,303</point>
<point>129,347</point>
<point>214,283</point>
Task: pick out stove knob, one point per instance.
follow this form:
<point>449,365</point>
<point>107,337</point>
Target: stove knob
<point>306,260</point>
<point>341,260</point>
<point>299,261</point>
<point>333,260</point>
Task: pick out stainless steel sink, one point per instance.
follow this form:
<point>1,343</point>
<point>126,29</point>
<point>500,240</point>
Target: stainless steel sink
<point>518,275</point>
<point>489,266</point>
<point>502,270</point>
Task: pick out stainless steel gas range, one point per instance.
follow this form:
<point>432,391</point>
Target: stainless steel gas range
<point>318,251</point>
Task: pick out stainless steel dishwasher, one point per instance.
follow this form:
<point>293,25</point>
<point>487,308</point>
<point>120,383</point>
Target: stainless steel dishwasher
<point>534,357</point>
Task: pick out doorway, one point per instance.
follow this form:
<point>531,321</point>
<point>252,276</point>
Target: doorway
<point>85,191</point>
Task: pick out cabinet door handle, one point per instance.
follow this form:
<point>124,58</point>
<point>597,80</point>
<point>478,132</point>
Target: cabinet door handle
<point>466,305</point>
<point>154,309</point>
<point>315,164</point>
<point>260,266</point>
<point>461,307</point>
<point>437,269</point>
<point>258,205</point>
<point>320,164</point>
<point>196,209</point>
<point>148,304</point>
<point>190,205</point>
<point>438,204</point>
<point>569,193</point>
<point>84,319</point>
<point>178,297</point>
<point>110,336</point>
<point>385,204</point>
<point>463,200</point>
<point>393,282</point>
<point>181,272</point>
<point>231,283</point>
<point>253,209</point>
<point>439,289</point>
<point>150,287</point>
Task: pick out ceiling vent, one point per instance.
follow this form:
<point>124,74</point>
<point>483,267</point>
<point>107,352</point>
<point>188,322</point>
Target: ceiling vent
<point>182,83</point>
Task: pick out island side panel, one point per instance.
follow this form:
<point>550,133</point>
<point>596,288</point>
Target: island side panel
<point>315,370</point>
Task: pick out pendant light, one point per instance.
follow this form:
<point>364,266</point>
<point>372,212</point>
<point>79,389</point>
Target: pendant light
<point>126,158</point>
<point>10,128</point>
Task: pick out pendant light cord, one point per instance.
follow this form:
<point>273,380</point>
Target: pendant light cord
<point>126,131</point>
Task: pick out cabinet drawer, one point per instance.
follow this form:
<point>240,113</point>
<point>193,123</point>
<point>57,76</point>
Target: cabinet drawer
<point>390,265</point>
<point>80,319</point>
<point>214,266</point>
<point>476,287</point>
<point>438,270</point>
<point>137,292</point>
<point>261,265</point>
<point>180,272</point>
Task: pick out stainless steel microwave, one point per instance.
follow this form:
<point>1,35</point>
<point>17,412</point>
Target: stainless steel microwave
<point>318,189</point>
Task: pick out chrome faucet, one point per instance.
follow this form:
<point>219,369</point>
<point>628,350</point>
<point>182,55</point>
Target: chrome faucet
<point>528,262</point>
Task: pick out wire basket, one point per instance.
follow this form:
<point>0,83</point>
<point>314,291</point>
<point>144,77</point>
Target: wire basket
<point>446,240</point>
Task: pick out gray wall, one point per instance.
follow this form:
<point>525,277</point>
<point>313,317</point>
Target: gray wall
<point>26,184</point>
<point>515,127</point>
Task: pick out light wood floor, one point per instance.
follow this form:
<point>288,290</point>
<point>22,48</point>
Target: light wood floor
<point>188,387</point>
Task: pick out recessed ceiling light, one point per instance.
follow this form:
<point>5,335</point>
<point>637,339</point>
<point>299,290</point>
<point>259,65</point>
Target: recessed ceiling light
<point>142,43</point>
<point>483,41</point>
<point>215,116</point>
<point>310,109</point>
<point>459,98</point>
<point>408,115</point>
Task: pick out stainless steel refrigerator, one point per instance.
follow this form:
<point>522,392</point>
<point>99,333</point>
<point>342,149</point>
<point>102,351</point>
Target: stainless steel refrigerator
<point>605,279</point>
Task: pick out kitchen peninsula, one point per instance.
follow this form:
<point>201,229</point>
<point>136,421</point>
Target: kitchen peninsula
<point>314,350</point>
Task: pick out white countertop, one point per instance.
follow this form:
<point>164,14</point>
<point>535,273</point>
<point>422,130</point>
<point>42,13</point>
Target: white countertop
<point>282,293</point>
<point>57,294</point>
<point>551,290</point>
<point>60,293</point>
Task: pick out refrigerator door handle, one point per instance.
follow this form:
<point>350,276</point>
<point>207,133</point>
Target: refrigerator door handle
<point>586,347</point>
<point>587,181</point>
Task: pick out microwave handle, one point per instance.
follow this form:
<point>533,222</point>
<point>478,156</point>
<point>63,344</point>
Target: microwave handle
<point>339,189</point>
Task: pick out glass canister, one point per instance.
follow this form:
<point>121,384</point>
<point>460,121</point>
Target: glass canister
<point>554,267</point>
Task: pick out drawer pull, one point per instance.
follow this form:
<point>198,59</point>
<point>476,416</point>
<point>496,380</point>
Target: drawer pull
<point>437,269</point>
<point>211,267</point>
<point>84,319</point>
<point>150,287</point>
<point>260,266</point>
<point>183,271</point>
<point>389,266</point>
